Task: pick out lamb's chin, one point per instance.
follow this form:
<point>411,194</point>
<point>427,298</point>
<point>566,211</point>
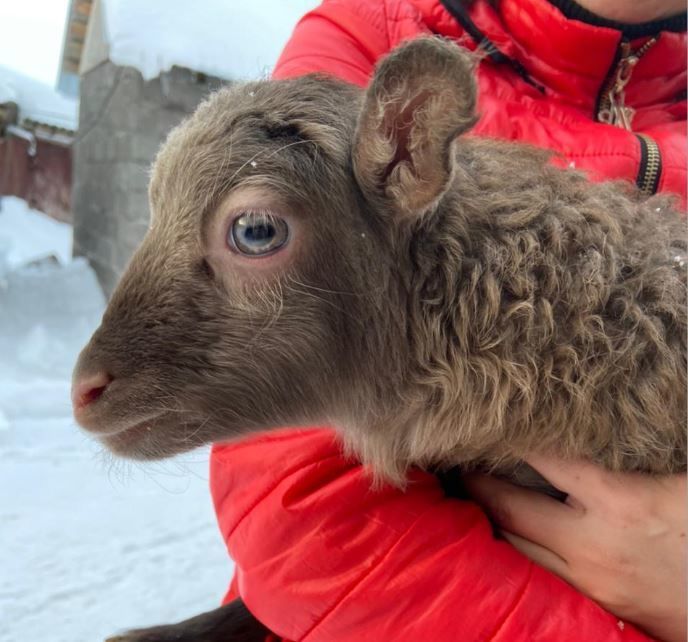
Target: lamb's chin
<point>153,439</point>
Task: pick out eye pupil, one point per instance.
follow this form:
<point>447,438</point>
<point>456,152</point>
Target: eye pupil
<point>257,233</point>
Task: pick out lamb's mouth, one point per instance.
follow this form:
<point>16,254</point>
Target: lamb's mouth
<point>130,434</point>
<point>154,438</point>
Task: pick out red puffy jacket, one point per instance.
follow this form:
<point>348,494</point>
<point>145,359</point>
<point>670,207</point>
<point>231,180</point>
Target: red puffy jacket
<point>319,555</point>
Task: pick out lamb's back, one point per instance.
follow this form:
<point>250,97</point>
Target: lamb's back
<point>569,313</point>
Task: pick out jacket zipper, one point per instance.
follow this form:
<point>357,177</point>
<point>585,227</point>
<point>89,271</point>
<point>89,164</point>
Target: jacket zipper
<point>650,165</point>
<point>612,110</point>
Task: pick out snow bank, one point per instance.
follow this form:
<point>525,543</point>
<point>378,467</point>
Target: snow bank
<point>27,235</point>
<point>88,546</point>
<point>225,38</point>
<point>37,101</point>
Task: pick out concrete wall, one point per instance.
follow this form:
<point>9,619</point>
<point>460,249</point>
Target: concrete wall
<point>122,121</point>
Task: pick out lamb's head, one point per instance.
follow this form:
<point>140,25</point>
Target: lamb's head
<point>269,289</point>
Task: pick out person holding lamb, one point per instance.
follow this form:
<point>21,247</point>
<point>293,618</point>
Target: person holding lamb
<point>561,75</point>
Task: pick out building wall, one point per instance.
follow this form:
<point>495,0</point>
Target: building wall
<point>43,178</point>
<point>122,122</point>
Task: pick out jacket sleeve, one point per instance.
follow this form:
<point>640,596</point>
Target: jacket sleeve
<point>322,556</point>
<point>341,38</point>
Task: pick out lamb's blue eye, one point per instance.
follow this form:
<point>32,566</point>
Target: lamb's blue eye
<point>257,233</point>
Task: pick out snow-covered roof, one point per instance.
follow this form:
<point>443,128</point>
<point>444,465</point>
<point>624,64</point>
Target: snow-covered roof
<point>232,39</point>
<point>37,101</point>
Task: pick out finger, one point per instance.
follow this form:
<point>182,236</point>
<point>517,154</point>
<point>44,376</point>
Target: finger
<point>540,555</point>
<point>527,513</point>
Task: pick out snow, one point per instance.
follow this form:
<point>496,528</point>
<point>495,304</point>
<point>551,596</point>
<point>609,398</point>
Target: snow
<point>37,101</point>
<point>28,235</point>
<point>88,546</point>
<point>230,39</point>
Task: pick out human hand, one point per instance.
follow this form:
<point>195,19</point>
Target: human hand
<point>620,538</point>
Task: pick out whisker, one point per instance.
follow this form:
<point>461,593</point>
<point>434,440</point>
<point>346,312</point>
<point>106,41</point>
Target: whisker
<point>293,279</point>
<point>285,146</point>
<point>263,152</point>
<point>305,292</point>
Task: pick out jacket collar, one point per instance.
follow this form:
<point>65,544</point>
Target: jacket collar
<point>567,57</point>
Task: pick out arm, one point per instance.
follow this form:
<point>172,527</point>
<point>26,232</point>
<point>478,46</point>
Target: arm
<point>340,38</point>
<point>322,556</point>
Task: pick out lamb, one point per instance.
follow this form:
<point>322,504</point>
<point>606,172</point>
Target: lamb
<point>322,254</point>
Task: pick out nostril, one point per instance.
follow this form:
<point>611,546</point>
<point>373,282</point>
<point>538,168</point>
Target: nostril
<point>89,389</point>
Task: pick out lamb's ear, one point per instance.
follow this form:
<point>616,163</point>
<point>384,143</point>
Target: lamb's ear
<point>420,99</point>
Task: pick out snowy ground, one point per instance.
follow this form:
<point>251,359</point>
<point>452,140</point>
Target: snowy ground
<point>88,546</point>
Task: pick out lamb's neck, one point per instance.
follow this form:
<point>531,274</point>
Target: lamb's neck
<point>468,373</point>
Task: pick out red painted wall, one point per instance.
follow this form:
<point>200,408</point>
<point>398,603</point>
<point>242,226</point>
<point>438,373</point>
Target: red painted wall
<point>43,180</point>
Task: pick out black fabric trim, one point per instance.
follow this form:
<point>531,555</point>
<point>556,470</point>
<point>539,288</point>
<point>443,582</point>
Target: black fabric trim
<point>452,483</point>
<point>459,11</point>
<point>574,11</point>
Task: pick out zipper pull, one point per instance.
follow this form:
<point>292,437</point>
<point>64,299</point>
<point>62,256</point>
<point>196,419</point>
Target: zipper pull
<point>625,117</point>
<point>619,114</point>
<point>615,111</point>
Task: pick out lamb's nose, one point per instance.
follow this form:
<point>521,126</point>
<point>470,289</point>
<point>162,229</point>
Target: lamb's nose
<point>88,389</point>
